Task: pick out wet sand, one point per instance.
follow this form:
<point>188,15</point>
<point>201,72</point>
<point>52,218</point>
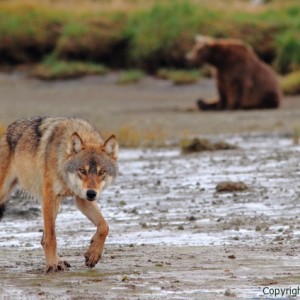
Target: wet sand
<point>171,234</point>
<point>144,105</point>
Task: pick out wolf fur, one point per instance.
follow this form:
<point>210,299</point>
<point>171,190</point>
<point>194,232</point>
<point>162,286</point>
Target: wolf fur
<point>52,158</point>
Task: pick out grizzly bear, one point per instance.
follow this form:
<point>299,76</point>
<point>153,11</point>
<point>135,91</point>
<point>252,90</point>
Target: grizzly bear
<point>243,81</point>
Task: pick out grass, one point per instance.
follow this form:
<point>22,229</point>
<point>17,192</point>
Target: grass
<point>290,84</point>
<point>288,47</point>
<point>2,129</point>
<point>199,145</point>
<point>179,77</point>
<point>131,136</point>
<point>96,37</point>
<point>52,69</point>
<point>159,36</point>
<point>29,30</point>
<point>296,135</point>
<point>130,76</point>
<point>148,35</point>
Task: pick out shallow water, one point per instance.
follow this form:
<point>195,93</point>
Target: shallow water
<point>159,190</point>
<point>165,200</point>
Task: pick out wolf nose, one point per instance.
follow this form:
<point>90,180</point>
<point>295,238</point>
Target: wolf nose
<point>91,194</point>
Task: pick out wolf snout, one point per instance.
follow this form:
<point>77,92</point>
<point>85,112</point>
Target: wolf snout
<point>91,195</point>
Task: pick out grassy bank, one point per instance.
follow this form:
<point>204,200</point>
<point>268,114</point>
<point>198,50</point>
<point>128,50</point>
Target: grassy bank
<point>51,68</point>
<point>147,35</point>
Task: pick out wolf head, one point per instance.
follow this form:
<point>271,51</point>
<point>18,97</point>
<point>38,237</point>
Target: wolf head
<point>200,52</point>
<point>90,168</point>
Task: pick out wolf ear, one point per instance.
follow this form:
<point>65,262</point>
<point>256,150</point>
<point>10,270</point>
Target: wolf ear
<point>75,143</point>
<point>111,147</point>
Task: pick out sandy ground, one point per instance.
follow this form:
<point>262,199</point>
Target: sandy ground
<point>146,104</point>
<point>171,234</point>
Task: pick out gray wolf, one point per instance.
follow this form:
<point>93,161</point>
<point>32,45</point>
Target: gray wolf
<point>52,158</point>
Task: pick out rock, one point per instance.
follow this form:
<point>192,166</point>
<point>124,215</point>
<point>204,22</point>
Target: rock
<point>231,186</point>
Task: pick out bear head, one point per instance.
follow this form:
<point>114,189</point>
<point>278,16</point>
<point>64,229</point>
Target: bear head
<point>201,50</point>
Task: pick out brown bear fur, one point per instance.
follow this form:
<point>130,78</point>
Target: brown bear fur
<point>243,81</point>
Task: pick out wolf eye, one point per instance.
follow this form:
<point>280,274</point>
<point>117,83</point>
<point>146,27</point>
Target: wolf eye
<point>102,172</point>
<point>82,171</point>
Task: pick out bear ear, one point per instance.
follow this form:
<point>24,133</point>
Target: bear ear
<point>111,147</point>
<point>203,39</point>
<point>75,143</point>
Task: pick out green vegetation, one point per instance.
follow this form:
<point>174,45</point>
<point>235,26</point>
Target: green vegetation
<point>288,45</point>
<point>163,34</point>
<point>130,76</point>
<point>179,77</point>
<point>51,69</point>
<point>95,39</point>
<point>148,35</point>
<point>296,135</point>
<point>290,84</point>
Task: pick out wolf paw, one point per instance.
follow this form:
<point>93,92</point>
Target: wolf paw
<point>91,258</point>
<point>66,264</point>
<point>62,265</point>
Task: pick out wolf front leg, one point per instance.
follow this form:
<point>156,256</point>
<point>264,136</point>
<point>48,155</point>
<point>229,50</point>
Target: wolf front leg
<point>92,212</point>
<point>50,210</point>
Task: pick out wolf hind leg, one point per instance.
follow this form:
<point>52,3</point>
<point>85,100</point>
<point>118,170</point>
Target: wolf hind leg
<point>4,193</point>
<point>7,179</point>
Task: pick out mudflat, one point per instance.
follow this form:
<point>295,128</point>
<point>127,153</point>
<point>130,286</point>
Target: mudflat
<point>172,235</point>
<point>148,103</point>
